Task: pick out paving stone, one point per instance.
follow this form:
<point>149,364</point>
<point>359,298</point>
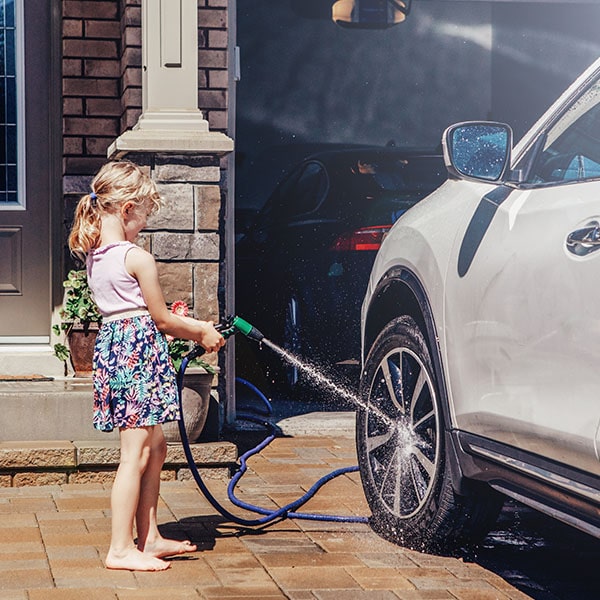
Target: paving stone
<point>189,568</point>
<point>385,559</point>
<point>303,595</point>
<point>76,539</point>
<point>479,594</point>
<point>23,564</point>
<point>327,578</point>
<point>53,540</point>
<point>10,549</point>
<point>92,577</point>
<point>27,505</point>
<point>260,592</point>
<point>87,593</point>
<point>78,503</point>
<point>377,578</point>
<point>424,595</point>
<point>355,595</point>
<point>21,579</point>
<point>13,595</point>
<point>314,558</point>
<point>175,593</point>
<point>232,561</point>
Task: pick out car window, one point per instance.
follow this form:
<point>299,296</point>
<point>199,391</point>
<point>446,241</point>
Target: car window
<point>571,148</point>
<point>392,187</point>
<point>304,190</point>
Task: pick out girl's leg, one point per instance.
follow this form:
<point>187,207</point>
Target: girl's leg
<point>149,539</point>
<point>135,453</point>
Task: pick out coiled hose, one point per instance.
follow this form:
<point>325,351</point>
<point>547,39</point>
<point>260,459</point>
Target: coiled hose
<point>289,510</point>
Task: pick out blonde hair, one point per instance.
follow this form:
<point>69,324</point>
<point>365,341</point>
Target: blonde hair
<point>115,183</point>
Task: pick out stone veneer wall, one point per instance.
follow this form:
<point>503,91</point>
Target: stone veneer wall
<point>184,237</point>
<point>58,463</point>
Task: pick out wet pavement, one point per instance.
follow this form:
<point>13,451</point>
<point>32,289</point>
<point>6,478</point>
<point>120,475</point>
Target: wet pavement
<point>53,539</point>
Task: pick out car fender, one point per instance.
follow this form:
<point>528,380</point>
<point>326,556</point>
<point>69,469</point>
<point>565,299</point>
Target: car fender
<point>415,284</point>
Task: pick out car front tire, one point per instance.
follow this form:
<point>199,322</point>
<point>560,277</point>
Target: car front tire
<point>401,450</point>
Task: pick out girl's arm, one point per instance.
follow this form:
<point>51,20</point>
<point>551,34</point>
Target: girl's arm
<point>141,265</point>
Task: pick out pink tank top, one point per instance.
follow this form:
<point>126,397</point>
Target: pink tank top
<point>113,288</point>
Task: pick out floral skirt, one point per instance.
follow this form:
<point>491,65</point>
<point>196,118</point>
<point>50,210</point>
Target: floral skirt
<point>134,379</point>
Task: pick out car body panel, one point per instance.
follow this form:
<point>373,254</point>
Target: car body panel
<point>523,328</point>
<point>511,307</point>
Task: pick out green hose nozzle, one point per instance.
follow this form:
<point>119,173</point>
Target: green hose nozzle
<point>227,328</point>
<point>248,330</point>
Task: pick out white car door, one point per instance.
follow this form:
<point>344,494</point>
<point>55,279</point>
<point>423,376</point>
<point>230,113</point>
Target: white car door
<point>523,300</point>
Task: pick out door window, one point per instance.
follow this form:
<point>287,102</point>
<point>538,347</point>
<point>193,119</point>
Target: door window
<point>9,94</point>
<point>571,148</point>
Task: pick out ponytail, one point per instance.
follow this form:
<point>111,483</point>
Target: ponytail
<point>115,183</point>
<point>85,233</point>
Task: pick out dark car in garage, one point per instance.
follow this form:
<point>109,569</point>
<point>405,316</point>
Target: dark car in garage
<point>303,261</point>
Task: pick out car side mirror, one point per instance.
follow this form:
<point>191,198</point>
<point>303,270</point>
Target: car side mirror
<point>478,150</point>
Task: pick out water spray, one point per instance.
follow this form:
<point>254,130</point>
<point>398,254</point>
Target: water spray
<point>227,328</point>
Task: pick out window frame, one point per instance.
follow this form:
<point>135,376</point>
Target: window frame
<point>527,160</point>
<point>21,202</point>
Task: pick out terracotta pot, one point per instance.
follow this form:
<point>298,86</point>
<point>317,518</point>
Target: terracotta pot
<point>81,346</point>
<point>195,400</point>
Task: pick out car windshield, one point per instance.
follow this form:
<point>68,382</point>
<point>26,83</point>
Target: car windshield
<point>379,191</point>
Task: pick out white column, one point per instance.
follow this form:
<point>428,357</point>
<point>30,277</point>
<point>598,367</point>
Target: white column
<point>171,120</point>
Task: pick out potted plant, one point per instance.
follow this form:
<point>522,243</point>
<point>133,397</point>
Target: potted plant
<point>80,320</point>
<point>197,384</point>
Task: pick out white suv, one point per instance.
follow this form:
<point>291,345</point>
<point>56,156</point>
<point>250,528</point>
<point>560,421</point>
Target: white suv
<point>481,336</point>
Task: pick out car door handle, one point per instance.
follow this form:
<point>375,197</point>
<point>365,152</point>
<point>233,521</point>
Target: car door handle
<point>585,240</point>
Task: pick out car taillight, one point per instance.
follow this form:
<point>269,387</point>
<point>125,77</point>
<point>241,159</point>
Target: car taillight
<point>365,238</point>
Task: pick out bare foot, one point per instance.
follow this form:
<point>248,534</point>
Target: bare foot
<point>164,547</point>
<point>134,560</point>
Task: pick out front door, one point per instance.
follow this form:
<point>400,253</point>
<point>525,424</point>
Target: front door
<point>25,185</point>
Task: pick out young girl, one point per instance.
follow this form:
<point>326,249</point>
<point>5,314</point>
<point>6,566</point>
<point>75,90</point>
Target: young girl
<point>134,380</point>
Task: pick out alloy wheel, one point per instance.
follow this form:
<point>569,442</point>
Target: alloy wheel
<point>402,432</point>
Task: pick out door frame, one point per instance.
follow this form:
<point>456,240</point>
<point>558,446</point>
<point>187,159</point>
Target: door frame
<point>17,358</point>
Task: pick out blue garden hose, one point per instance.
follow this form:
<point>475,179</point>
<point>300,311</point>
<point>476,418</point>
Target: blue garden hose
<point>287,511</point>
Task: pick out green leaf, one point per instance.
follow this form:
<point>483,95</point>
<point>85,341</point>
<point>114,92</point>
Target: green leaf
<point>61,352</point>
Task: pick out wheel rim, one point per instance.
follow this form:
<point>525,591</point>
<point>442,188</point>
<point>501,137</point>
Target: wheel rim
<point>291,337</point>
<point>402,433</point>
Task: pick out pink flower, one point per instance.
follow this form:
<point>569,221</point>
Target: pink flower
<point>180,308</point>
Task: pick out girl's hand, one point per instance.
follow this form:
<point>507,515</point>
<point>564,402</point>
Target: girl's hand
<point>210,339</point>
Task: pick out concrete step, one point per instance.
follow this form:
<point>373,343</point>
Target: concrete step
<point>60,462</point>
<point>42,422</point>
<point>58,409</point>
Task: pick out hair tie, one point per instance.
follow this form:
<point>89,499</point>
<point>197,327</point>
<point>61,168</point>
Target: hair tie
<point>93,198</point>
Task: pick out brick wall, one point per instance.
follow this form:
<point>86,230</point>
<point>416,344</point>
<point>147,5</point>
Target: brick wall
<point>91,82</point>
<point>212,62</point>
<point>102,76</point>
<point>131,63</point>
